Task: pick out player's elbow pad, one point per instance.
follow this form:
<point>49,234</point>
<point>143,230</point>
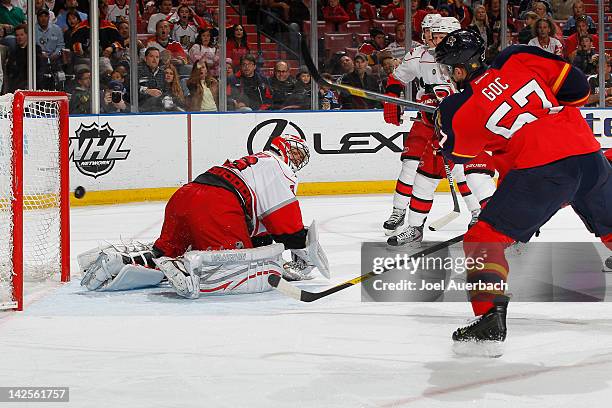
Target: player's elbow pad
<point>575,89</point>
<point>394,86</point>
<point>297,240</point>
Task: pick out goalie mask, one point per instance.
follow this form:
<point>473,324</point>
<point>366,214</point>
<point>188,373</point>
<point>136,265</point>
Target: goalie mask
<point>292,150</point>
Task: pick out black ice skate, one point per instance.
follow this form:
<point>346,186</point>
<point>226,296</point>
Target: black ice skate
<point>485,335</point>
<point>396,220</point>
<point>411,236</point>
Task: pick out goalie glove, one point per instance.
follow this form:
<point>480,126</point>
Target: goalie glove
<point>313,255</point>
<point>297,269</point>
<point>391,111</point>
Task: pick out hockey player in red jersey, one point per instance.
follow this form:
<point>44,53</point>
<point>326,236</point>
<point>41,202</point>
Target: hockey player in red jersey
<point>223,215</point>
<point>422,170</point>
<point>523,109</point>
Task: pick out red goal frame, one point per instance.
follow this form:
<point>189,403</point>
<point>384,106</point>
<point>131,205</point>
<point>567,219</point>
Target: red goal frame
<point>19,100</point>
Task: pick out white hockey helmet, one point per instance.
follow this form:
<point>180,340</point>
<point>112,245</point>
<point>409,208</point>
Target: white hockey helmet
<point>428,20</point>
<point>292,150</point>
<point>445,25</point>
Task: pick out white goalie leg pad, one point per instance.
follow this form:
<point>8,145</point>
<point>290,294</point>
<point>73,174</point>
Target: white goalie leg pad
<point>87,258</point>
<point>314,254</point>
<point>134,277</point>
<point>236,271</point>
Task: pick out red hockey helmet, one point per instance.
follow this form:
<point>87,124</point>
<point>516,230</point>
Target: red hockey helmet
<point>292,149</point>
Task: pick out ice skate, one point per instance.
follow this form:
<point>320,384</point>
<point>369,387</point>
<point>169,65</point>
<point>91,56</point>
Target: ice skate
<point>411,236</point>
<point>483,336</point>
<point>396,220</point>
<point>297,269</point>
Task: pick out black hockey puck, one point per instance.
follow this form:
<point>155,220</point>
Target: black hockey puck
<point>79,192</point>
<point>609,263</point>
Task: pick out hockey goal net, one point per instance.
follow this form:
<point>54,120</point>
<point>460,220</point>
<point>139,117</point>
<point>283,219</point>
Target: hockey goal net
<point>34,223</point>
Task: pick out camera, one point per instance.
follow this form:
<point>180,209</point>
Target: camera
<point>116,96</point>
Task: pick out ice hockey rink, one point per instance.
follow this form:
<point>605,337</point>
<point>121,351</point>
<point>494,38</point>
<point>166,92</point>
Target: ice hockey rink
<point>149,348</point>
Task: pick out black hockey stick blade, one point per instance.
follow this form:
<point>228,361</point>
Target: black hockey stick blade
<point>363,93</point>
<point>302,295</point>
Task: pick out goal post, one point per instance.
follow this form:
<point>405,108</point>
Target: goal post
<point>34,192</point>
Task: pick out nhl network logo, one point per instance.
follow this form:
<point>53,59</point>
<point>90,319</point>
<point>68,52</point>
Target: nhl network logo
<point>94,149</point>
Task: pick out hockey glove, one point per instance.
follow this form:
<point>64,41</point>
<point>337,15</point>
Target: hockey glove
<point>393,112</point>
<point>430,100</point>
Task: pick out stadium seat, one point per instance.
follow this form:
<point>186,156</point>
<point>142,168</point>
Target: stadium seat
<point>338,42</point>
<point>361,26</point>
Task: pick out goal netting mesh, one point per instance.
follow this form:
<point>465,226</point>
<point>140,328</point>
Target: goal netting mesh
<point>41,192</point>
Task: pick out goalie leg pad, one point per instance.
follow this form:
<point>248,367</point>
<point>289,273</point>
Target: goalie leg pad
<point>236,271</point>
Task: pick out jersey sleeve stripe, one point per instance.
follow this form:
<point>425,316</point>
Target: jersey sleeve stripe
<point>467,156</point>
<point>561,78</point>
<point>579,102</point>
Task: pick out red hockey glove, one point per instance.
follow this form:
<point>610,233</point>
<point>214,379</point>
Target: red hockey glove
<point>430,100</point>
<point>393,112</point>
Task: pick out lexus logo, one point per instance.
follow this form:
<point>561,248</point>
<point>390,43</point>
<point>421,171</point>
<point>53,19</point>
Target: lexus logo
<point>261,136</point>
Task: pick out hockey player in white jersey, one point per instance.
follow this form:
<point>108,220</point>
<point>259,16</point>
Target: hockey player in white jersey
<point>218,231</point>
<point>421,169</point>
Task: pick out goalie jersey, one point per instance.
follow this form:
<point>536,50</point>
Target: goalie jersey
<point>272,187</point>
<point>523,109</point>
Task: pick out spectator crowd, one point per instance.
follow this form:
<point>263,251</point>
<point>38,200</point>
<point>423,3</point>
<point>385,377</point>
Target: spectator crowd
<point>178,52</point>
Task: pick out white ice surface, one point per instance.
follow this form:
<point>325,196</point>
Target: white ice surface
<point>151,349</point>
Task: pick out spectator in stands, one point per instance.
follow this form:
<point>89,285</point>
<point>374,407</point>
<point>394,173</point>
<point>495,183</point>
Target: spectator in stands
<point>49,36</point>
<point>123,28</point>
<point>171,50</point>
<point>361,79</point>
<point>165,11</point>
<point>73,19</point>
<point>16,75</point>
<point>184,30</point>
<point>526,33</point>
<point>544,32</point>
<point>150,81</point>
<point>229,69</point>
<point>398,47</point>
<point>347,66</point>
<point>585,57</point>
<point>571,42</point>
<point>480,24</point>
<point>249,89</point>
<point>335,13</point>
<point>462,13</point>
<point>387,65</point>
<point>40,5</point>
<point>204,16</point>
<point>526,5</point>
<point>562,9</point>
<point>109,38</point>
<point>173,98</point>
<point>542,9</point>
<point>387,11</point>
<point>205,49</point>
<point>569,27</point>
<point>236,46</point>
<point>80,100</point>
<point>298,13</point>
<point>301,98</point>
<point>203,89</point>
<point>377,42</point>
<point>113,98</point>
<point>69,5</point>
<point>282,84</point>
<point>594,83</point>
<point>328,98</point>
<point>10,17</point>
<point>496,44</point>
<point>360,10</point>
<point>120,11</point>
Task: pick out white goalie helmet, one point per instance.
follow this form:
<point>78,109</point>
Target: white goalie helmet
<point>445,25</point>
<point>292,150</point>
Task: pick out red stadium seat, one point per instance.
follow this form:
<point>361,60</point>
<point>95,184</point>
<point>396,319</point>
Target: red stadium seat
<point>338,42</point>
<point>361,26</point>
<point>320,27</point>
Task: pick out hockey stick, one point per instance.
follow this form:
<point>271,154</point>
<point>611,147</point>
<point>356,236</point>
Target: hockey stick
<point>302,295</point>
<point>363,93</point>
<point>441,222</point>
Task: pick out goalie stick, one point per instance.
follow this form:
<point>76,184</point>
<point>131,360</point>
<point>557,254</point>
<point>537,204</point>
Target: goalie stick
<point>442,222</point>
<point>304,296</point>
<point>363,93</point>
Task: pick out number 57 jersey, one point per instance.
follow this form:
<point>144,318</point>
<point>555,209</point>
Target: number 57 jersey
<point>523,109</point>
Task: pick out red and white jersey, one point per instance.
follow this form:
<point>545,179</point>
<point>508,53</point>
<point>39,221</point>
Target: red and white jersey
<point>273,186</point>
<point>117,13</point>
<point>420,63</point>
<point>184,35</point>
<point>554,46</point>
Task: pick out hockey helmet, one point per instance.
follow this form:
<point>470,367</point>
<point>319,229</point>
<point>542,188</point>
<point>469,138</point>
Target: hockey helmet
<point>292,150</point>
<point>445,25</point>
<point>463,48</point>
<point>427,22</point>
